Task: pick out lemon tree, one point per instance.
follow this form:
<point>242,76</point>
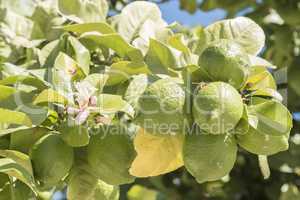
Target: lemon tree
<point>91,102</point>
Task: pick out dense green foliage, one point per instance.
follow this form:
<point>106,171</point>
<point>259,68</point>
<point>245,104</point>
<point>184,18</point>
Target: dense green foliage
<point>90,103</point>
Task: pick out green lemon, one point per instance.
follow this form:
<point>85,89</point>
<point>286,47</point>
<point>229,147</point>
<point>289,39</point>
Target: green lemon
<point>217,108</point>
<point>225,61</point>
<point>110,154</point>
<point>209,157</point>
<point>92,189</point>
<point>161,107</point>
<point>52,159</point>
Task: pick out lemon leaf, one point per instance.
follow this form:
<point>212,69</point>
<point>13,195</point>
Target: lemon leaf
<point>242,30</point>
<point>51,96</point>
<point>14,117</point>
<point>100,27</point>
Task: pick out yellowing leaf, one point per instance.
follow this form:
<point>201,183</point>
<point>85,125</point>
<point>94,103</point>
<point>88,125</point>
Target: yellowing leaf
<point>260,78</point>
<point>156,154</point>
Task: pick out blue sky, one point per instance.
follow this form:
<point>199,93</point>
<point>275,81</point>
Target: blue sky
<point>171,12</point>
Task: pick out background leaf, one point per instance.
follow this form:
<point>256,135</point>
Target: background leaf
<point>111,104</point>
<point>242,30</point>
<point>115,42</point>
<point>84,11</point>
<point>81,54</point>
<point>159,58</point>
<point>17,165</point>
<point>134,16</point>
<point>100,27</point>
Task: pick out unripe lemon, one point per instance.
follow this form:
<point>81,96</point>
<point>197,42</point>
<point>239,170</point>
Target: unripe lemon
<point>161,107</point>
<point>217,107</point>
<point>52,159</point>
<point>110,154</point>
<point>225,61</point>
